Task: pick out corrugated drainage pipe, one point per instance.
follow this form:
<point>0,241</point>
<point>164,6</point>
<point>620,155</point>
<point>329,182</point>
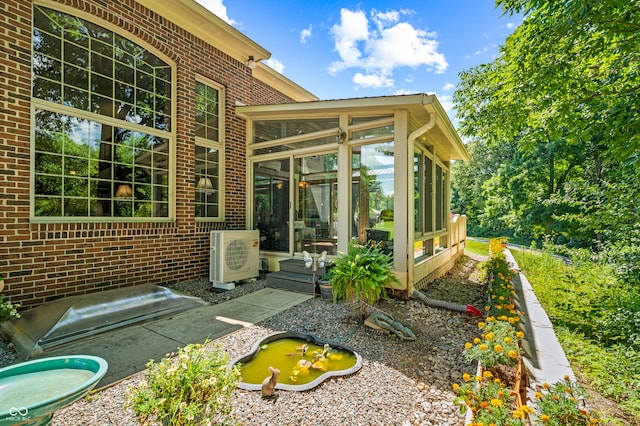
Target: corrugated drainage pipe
<point>443,304</point>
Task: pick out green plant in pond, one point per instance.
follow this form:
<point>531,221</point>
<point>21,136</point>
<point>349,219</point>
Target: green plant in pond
<point>361,275</point>
<point>194,388</point>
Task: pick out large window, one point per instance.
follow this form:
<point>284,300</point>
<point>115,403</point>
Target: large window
<point>430,206</point>
<point>271,203</point>
<point>208,166</point>
<point>372,193</point>
<point>102,122</point>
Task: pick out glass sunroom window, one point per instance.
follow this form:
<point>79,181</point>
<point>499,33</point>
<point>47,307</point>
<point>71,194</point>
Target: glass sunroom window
<point>102,122</point>
<point>208,171</point>
<point>372,193</point>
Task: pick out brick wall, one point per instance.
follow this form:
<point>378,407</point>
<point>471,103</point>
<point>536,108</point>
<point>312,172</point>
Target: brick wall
<point>41,262</point>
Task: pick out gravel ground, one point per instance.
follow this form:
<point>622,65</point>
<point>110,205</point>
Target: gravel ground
<point>400,383</point>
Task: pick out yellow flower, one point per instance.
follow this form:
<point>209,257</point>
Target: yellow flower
<point>483,347</point>
<point>512,354</point>
<point>456,387</point>
<point>468,345</point>
<point>496,402</point>
<point>466,377</point>
<point>491,319</point>
<point>538,395</point>
<point>481,324</point>
<point>518,414</point>
<point>476,340</point>
<point>527,409</point>
<point>520,334</point>
<point>487,374</point>
<point>489,336</point>
<point>545,385</point>
<point>498,348</point>
<point>544,418</point>
<point>507,340</point>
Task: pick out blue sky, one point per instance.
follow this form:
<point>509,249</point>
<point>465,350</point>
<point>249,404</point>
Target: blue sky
<point>344,49</point>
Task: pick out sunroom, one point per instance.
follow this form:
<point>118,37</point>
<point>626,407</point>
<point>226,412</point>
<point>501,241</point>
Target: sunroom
<point>321,174</point>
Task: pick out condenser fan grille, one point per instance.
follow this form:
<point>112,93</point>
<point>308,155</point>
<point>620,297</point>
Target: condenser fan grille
<point>236,255</point>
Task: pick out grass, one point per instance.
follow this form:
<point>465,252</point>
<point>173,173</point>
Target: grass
<point>480,248</point>
<point>581,300</point>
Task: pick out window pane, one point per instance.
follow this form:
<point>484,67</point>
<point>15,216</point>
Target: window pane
<point>372,194</point>
<point>74,163</point>
<point>207,112</point>
<point>207,182</point>
<point>66,47</point>
<point>315,224</point>
<point>268,130</point>
<point>271,191</point>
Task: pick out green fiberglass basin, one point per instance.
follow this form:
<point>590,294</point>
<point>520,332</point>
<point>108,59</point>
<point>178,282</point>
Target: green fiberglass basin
<point>303,359</point>
<point>31,391</point>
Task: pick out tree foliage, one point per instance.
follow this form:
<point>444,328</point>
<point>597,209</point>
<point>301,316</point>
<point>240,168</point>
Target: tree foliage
<point>555,128</point>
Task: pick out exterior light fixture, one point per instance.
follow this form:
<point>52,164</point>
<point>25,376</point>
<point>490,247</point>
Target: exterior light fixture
<point>251,63</point>
<point>341,136</point>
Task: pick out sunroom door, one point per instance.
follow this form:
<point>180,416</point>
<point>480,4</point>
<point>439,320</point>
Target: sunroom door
<point>316,213</point>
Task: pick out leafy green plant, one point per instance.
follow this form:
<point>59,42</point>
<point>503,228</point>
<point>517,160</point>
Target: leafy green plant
<point>195,388</point>
<point>582,300</point>
<point>498,344</point>
<point>8,310</point>
<point>490,401</point>
<point>361,275</point>
<point>562,404</point>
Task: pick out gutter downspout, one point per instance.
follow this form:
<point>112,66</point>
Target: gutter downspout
<point>410,219</point>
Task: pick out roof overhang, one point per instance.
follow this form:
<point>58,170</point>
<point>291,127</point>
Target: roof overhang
<point>281,83</point>
<point>202,23</point>
<point>421,108</point>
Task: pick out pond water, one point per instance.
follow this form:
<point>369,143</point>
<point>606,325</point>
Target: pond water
<point>299,361</point>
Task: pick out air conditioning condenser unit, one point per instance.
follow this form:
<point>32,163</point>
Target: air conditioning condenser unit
<point>234,257</point>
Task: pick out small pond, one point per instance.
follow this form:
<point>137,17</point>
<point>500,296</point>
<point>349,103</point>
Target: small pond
<point>303,359</point>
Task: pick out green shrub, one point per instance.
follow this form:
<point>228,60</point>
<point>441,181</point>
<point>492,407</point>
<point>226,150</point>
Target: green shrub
<point>361,275</point>
<point>195,388</point>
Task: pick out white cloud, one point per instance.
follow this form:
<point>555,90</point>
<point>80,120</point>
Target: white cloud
<point>446,102</point>
<point>305,34</point>
<point>448,87</point>
<point>275,64</point>
<point>218,8</point>
<point>405,92</point>
<point>390,44</point>
<point>352,29</point>
<point>372,80</point>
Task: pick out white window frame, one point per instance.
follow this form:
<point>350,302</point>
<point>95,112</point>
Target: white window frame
<point>215,144</point>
